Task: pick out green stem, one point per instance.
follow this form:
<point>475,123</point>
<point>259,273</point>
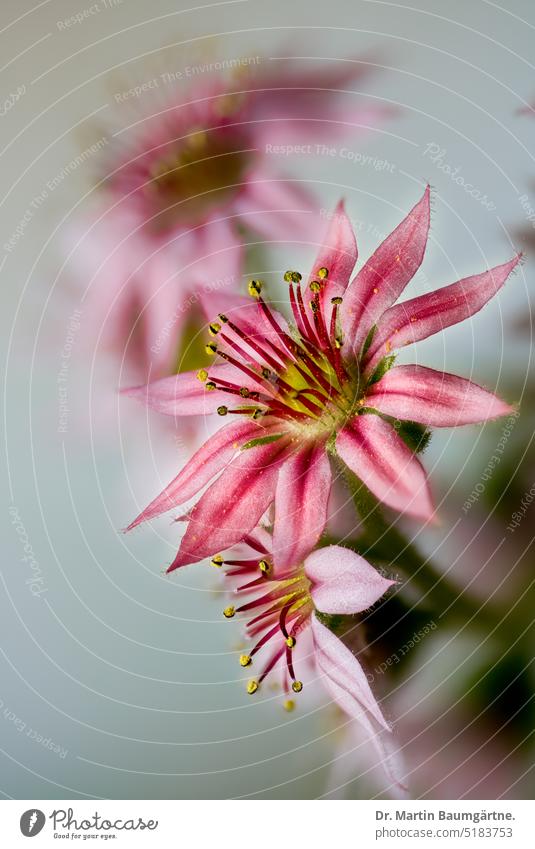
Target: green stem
<point>382,541</point>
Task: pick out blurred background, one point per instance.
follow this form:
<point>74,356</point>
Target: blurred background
<point>117,681</point>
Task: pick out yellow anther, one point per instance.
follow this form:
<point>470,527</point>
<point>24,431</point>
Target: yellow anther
<point>197,140</point>
<point>336,300</point>
<point>292,277</point>
<point>266,373</point>
<point>254,288</point>
<point>229,612</point>
<point>323,272</point>
<point>222,411</point>
<point>297,686</point>
<point>257,414</point>
<point>315,286</point>
<point>290,642</point>
<point>202,375</point>
<point>210,386</point>
<point>338,343</point>
<point>214,328</point>
<point>289,705</point>
<point>244,392</point>
<point>264,566</point>
<point>223,318</point>
<point>313,306</point>
<point>245,660</point>
<point>211,348</point>
<point>217,560</point>
<point>252,687</point>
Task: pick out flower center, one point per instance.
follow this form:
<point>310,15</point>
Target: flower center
<point>282,607</point>
<point>301,378</point>
<point>195,176</point>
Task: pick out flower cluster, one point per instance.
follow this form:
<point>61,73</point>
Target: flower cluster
<point>324,387</point>
<point>307,396</point>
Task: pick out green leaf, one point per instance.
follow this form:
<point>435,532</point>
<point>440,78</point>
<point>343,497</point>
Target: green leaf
<point>368,341</point>
<point>414,435</point>
<point>381,369</point>
<point>335,622</point>
<point>261,440</point>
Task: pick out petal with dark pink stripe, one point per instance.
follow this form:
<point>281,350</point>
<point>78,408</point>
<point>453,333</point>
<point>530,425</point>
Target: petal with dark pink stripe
<point>337,256</point>
<point>420,317</point>
<point>234,504</point>
<point>372,449</point>
<point>185,395</point>
<point>210,459</point>
<point>303,489</point>
<point>383,278</point>
<point>433,398</point>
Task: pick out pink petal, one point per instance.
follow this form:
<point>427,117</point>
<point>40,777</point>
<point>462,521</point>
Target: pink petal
<point>343,674</point>
<point>338,254</point>
<point>420,317</point>
<point>384,276</point>
<point>371,448</point>
<point>433,398</point>
<point>343,581</point>
<point>230,508</point>
<point>301,500</point>
<point>185,395</point>
<point>276,208</point>
<point>213,456</point>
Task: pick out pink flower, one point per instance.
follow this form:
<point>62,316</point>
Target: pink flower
<point>325,387</point>
<point>281,607</point>
<point>180,184</point>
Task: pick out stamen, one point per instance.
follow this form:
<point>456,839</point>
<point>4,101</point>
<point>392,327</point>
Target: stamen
<point>319,323</point>
<point>252,343</point>
<point>265,639</point>
<point>214,328</point>
<point>229,612</point>
<point>323,273</point>
<point>297,686</point>
<point>267,357</point>
<point>297,315</point>
<point>269,666</point>
<point>287,340</point>
<point>217,560</point>
<point>252,687</point>
<point>290,665</point>
<point>222,411</point>
<point>289,705</point>
<point>265,567</point>
<point>309,333</point>
<point>245,660</point>
<point>254,288</point>
<point>202,375</point>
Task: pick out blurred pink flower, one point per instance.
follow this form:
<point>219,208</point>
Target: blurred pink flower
<point>168,226</point>
<point>326,387</point>
<point>281,607</point>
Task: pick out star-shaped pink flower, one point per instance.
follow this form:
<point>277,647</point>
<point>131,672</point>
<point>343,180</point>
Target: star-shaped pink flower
<point>325,386</point>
